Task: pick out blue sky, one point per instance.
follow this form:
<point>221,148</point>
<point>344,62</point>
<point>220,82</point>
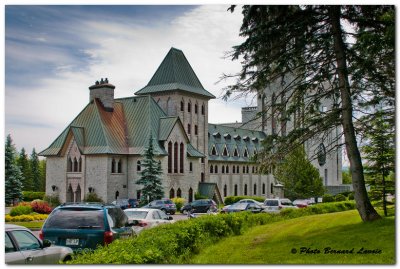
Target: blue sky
<point>54,53</point>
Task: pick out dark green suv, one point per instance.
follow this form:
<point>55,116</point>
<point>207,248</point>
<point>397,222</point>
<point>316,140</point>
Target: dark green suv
<point>85,225</point>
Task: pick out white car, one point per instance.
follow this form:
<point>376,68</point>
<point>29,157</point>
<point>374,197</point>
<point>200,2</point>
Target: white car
<point>276,204</point>
<point>22,247</point>
<point>251,201</point>
<point>147,217</point>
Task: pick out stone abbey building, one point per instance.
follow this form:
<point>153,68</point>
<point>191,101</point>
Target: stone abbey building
<point>101,150</point>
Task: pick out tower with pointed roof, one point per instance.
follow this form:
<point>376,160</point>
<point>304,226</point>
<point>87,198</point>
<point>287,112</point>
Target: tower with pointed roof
<point>177,89</point>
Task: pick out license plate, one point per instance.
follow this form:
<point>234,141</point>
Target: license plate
<point>72,242</point>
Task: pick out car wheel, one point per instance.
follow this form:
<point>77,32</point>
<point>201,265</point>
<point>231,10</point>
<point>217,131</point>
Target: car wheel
<point>184,211</point>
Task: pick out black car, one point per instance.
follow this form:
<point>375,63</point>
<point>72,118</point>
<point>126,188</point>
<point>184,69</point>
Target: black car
<point>165,205</point>
<point>238,207</point>
<point>200,206</point>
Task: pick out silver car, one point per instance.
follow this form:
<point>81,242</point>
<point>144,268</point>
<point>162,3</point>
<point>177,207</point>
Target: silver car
<point>147,217</point>
<point>22,247</point>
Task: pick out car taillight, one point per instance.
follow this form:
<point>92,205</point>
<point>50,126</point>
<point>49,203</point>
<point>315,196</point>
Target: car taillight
<point>142,223</point>
<point>280,207</point>
<point>41,235</point>
<point>108,237</point>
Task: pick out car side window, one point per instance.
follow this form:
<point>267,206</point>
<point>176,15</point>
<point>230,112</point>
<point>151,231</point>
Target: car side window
<point>9,246</point>
<point>163,215</point>
<point>26,240</point>
<point>156,215</point>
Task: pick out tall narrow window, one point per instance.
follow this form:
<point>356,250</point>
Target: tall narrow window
<point>225,152</point>
<point>227,169</point>
<point>223,169</point>
<point>202,177</point>
<point>75,165</point>
<point>195,130</point>
<point>80,164</point>
<point>182,106</point>
<point>211,169</point>
<point>69,165</point>
<point>190,195</point>
<point>191,167</point>
<point>171,193</point>
<point>244,169</point>
<point>189,107</point>
<point>176,157</point>
<point>188,128</point>
<point>119,167</point>
<point>195,108</point>
<point>263,188</point>
<point>113,166</point>
<point>245,189</point>
<point>202,109</point>
<point>237,169</point>
<point>247,169</point>
<point>179,193</point>
<point>255,189</point>
<point>181,158</point>
<point>225,190</point>
<point>170,157</point>
<point>236,190</point>
<point>216,169</point>
<point>234,169</point>
<point>139,165</point>
<point>213,151</point>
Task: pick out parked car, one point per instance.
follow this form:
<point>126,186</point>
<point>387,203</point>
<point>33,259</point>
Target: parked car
<point>252,201</point>
<point>122,203</point>
<point>302,202</point>
<point>200,206</point>
<point>165,205</point>
<point>85,225</point>
<point>276,204</point>
<point>22,247</point>
<point>147,217</point>
<point>238,207</point>
<point>133,203</point>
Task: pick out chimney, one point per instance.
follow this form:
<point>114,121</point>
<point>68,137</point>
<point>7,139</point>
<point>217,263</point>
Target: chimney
<point>104,92</point>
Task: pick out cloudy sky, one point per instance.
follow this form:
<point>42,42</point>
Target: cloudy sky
<point>54,53</point>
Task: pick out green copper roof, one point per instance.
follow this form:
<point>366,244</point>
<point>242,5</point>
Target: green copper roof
<point>231,138</point>
<point>175,73</point>
<point>126,130</point>
<point>211,191</point>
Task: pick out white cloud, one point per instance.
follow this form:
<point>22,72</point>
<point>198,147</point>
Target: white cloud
<point>128,54</point>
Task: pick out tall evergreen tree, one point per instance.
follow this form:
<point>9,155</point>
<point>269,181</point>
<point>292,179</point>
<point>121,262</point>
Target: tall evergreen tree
<point>13,175</point>
<point>299,177</point>
<point>42,165</point>
<point>309,47</point>
<point>34,161</point>
<point>150,176</point>
<point>24,166</point>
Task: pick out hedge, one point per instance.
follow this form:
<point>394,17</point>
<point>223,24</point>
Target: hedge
<point>233,199</point>
<point>32,195</point>
<point>21,210</point>
<point>25,218</point>
<point>176,243</point>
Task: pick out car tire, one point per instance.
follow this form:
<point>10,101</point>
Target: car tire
<point>184,211</point>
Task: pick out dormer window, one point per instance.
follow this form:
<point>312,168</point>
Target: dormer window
<point>214,151</point>
<point>246,153</point>
<point>227,136</point>
<point>217,134</point>
<point>235,153</point>
<point>246,138</point>
<point>225,152</point>
<point>236,137</point>
<point>254,139</point>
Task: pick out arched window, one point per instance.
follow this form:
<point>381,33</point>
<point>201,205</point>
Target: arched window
<point>223,169</point>
<point>182,106</point>
<point>202,109</point>
<point>247,169</point>
<point>116,195</point>
<point>234,169</point>
<point>119,166</point>
<point>245,189</point>
<point>196,130</point>
<point>211,169</point>
<point>139,165</point>
<point>235,153</point>
<point>69,165</point>
<point>255,189</point>
<point>170,157</point>
<point>179,193</point>
<point>237,169</point>
<point>236,190</point>
<point>171,193</point>
<point>181,157</point>
<point>176,157</point>
<point>188,128</point>
<point>191,167</point>
<point>189,107</point>
<point>80,164</point>
<point>113,166</point>
<point>202,177</point>
<point>227,169</point>
<point>195,108</point>
<point>225,190</point>
<point>75,165</point>
<point>246,153</point>
<point>214,151</point>
<point>252,169</point>
<point>216,169</point>
<point>225,152</point>
<point>263,188</point>
<point>244,169</point>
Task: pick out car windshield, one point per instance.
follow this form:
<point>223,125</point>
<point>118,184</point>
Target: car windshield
<point>271,202</point>
<point>135,214</point>
<point>286,202</point>
<point>76,219</point>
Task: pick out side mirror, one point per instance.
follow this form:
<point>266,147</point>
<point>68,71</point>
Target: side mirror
<point>46,243</point>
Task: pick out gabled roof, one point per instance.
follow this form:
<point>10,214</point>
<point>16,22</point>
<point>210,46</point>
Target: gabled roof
<point>175,74</point>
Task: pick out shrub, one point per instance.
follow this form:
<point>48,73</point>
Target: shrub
<point>233,199</point>
<point>340,197</point>
<point>351,196</point>
<point>327,198</point>
<point>32,195</point>
<point>41,207</point>
<point>198,196</point>
<point>52,200</point>
<point>92,197</point>
<point>25,218</point>
<point>21,210</point>
<point>179,202</point>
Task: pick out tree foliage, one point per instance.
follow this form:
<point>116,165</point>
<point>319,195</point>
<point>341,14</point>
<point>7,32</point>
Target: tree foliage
<point>23,163</point>
<point>13,175</point>
<point>299,177</point>
<point>35,169</point>
<point>316,53</point>
<point>150,176</point>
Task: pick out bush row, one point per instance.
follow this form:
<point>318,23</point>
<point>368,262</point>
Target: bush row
<point>176,243</point>
<point>327,198</point>
<point>25,208</point>
<point>32,195</point>
<point>233,199</point>
<point>23,218</point>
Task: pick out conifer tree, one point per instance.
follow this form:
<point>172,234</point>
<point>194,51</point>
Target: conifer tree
<point>13,175</point>
<point>34,161</point>
<point>24,166</point>
<point>150,176</point>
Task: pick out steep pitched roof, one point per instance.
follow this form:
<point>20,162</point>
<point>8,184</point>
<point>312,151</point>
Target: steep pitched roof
<point>233,138</point>
<point>175,73</point>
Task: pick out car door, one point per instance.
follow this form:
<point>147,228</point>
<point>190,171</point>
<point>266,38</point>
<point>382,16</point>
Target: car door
<point>12,254</point>
<point>31,248</point>
<point>163,217</point>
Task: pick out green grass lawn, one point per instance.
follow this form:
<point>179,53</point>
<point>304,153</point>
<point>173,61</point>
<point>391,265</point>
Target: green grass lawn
<point>29,224</point>
<point>283,242</point>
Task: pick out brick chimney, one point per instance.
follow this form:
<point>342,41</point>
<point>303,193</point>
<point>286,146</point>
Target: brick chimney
<point>104,92</point>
